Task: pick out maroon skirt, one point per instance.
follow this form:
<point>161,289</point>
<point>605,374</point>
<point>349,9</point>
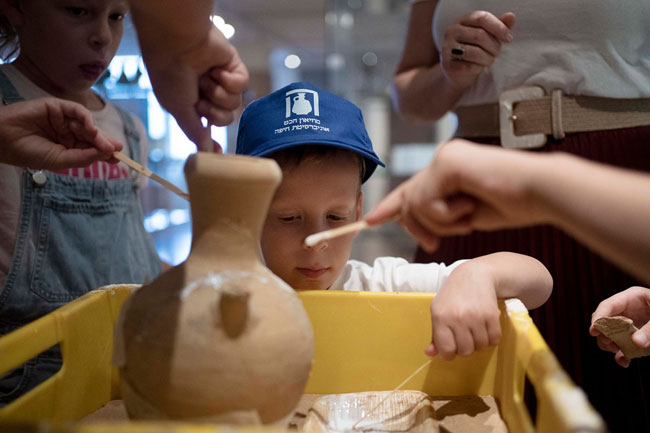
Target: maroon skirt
<point>582,279</point>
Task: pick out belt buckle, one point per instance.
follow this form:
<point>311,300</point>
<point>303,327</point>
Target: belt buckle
<point>507,100</point>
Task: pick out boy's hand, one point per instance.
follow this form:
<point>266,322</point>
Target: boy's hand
<point>465,314</point>
<point>633,303</point>
<point>52,134</point>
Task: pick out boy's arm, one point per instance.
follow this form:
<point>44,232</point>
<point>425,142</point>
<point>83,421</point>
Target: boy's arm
<point>465,313</point>
<point>517,276</point>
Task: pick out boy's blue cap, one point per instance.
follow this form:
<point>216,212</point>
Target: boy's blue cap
<point>301,114</point>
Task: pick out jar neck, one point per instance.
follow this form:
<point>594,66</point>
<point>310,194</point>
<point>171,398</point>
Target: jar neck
<point>227,238</point>
<point>230,197</point>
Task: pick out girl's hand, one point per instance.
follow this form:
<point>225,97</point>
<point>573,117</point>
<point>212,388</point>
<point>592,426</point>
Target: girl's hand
<point>465,314</point>
<point>52,134</point>
<point>472,43</point>
<point>633,303</point>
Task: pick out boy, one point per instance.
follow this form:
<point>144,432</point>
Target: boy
<point>320,142</point>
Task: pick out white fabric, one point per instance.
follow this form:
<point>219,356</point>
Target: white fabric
<point>583,47</point>
<point>393,274</point>
<point>107,119</point>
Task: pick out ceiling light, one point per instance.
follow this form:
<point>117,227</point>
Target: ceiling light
<point>369,59</point>
<point>335,61</point>
<point>330,18</point>
<point>292,61</point>
<point>346,20</point>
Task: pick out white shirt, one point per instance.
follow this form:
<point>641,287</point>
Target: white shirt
<point>393,274</point>
<point>583,47</point>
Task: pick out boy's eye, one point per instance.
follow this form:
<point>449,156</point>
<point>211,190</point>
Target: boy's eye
<point>117,17</point>
<point>289,219</point>
<point>335,217</point>
<point>77,12</point>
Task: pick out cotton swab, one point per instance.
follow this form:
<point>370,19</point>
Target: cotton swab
<point>316,238</point>
<point>151,175</point>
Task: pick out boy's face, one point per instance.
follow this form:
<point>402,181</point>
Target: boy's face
<point>66,45</point>
<point>315,195</point>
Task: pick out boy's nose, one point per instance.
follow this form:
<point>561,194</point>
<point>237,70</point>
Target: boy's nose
<point>321,246</point>
<point>311,227</point>
<point>101,35</point>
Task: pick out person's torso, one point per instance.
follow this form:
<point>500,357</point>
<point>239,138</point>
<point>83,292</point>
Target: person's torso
<point>583,47</point>
<point>393,274</point>
<point>108,119</point>
<point>67,233</point>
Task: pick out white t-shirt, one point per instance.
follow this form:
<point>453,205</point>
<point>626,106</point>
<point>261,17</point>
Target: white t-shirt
<point>108,119</point>
<point>393,274</point>
<point>583,47</point>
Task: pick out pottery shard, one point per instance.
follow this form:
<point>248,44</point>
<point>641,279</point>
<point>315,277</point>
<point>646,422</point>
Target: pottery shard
<point>620,329</point>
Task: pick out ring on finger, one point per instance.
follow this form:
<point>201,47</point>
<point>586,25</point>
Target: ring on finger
<point>458,52</point>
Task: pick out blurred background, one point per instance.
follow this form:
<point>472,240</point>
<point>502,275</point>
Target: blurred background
<point>349,47</point>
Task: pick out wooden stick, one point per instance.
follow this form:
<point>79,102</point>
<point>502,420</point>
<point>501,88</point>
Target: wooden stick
<point>316,238</point>
<point>151,175</point>
<point>404,382</point>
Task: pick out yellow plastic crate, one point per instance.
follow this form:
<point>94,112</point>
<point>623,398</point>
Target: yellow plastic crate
<point>363,342</point>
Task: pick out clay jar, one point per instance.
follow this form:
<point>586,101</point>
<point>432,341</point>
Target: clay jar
<point>218,337</point>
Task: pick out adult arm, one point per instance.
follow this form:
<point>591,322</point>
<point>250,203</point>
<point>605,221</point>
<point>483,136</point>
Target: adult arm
<point>473,187</point>
<point>428,83</point>
<point>52,134</point>
<point>195,72</point>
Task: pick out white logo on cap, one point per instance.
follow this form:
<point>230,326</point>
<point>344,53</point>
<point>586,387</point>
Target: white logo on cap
<point>301,102</point>
<point>298,104</point>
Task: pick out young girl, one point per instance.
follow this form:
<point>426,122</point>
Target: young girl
<point>65,233</point>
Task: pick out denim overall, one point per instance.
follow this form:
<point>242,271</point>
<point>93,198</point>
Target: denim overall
<point>73,236</point>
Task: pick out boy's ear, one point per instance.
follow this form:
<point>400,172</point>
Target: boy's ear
<point>359,207</point>
<point>11,10</point>
<point>359,212</point>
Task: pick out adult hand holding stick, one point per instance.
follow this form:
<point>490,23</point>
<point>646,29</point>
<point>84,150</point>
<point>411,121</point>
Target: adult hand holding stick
<point>473,187</point>
<point>52,134</point>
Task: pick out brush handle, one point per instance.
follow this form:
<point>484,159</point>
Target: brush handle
<point>151,175</point>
